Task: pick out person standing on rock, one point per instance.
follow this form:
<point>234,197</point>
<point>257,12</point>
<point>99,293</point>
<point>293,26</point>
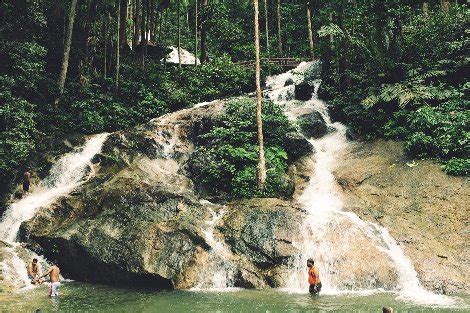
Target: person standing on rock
<point>313,277</point>
<point>26,181</point>
<point>54,275</point>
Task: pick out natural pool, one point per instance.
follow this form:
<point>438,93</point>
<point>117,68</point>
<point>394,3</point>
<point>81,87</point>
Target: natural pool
<point>87,297</point>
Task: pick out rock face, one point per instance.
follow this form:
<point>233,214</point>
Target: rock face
<point>139,220</point>
<point>312,125</point>
<point>303,91</point>
<point>424,209</point>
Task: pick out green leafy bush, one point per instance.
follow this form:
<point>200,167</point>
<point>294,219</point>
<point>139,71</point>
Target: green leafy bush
<point>404,90</point>
<point>225,163</point>
<point>18,131</point>
<point>457,167</point>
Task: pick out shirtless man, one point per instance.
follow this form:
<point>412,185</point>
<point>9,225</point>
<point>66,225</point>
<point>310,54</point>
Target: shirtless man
<point>54,275</point>
<point>313,277</point>
<point>34,271</point>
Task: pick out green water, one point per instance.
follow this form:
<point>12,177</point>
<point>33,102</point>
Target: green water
<point>86,297</point>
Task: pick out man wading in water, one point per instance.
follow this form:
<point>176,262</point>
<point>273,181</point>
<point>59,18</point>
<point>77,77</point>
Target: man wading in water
<point>313,278</point>
<point>54,274</point>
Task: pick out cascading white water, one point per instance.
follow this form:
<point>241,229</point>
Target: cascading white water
<point>65,175</point>
<point>186,56</point>
<point>353,256</point>
<point>219,274</point>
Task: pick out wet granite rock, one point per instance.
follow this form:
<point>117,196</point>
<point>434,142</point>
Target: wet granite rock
<point>140,220</point>
<point>312,125</point>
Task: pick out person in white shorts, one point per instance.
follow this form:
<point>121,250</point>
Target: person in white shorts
<point>54,275</point>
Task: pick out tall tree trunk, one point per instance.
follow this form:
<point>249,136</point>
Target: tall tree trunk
<point>279,30</point>
<point>187,17</point>
<point>332,38</point>
<point>118,48</point>
<point>152,20</point>
<point>123,24</point>
<point>266,24</point>
<point>68,42</point>
<point>195,32</point>
<point>309,29</point>
<point>160,29</point>
<point>105,43</point>
<point>259,120</point>
<point>143,43</point>
<point>179,33</point>
<point>135,39</point>
<point>343,62</point>
<point>204,32</point>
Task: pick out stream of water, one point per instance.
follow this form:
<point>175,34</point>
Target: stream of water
<point>353,255</point>
<point>336,239</point>
<point>66,174</point>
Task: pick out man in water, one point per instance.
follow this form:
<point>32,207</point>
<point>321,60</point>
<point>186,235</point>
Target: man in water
<point>54,275</point>
<point>34,271</point>
<point>313,277</point>
<point>26,181</point>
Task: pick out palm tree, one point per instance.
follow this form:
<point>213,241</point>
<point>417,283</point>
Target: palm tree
<point>259,120</point>
<point>68,42</point>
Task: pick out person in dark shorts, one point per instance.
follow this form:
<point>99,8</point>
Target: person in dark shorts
<point>26,181</point>
<point>313,277</point>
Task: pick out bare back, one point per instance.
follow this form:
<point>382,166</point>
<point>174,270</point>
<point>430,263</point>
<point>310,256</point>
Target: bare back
<point>54,274</point>
<point>26,176</point>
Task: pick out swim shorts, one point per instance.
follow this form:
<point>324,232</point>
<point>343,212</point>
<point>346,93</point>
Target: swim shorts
<point>55,289</point>
<point>26,186</point>
<point>315,288</point>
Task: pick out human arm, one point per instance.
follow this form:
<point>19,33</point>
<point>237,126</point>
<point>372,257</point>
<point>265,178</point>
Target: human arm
<point>47,273</point>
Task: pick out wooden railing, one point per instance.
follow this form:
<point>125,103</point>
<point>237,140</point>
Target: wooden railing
<point>283,62</point>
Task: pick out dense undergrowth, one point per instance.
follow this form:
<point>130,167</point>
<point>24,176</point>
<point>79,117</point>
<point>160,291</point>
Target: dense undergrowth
<point>225,162</point>
<point>415,88</point>
<point>28,115</point>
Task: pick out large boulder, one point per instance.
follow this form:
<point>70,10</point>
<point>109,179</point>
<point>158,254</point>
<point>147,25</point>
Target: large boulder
<point>312,125</point>
<point>303,91</point>
<point>424,209</point>
<point>297,145</point>
<point>140,220</point>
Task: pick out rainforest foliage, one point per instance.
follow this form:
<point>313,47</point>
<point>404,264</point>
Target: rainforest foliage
<point>402,73</point>
<point>225,162</point>
<point>394,69</point>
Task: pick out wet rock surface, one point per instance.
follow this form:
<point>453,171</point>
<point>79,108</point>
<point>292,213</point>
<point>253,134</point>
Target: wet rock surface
<point>303,91</point>
<point>140,220</point>
<point>312,125</point>
<point>424,209</point>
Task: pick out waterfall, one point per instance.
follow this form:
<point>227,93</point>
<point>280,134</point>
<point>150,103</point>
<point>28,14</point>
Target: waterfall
<point>186,56</point>
<point>353,256</point>
<point>65,175</point>
<point>219,272</point>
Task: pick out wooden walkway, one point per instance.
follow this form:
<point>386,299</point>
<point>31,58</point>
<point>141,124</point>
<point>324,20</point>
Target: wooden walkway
<point>282,62</point>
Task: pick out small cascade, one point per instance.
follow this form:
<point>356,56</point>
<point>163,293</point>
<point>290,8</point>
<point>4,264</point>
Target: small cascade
<point>219,274</point>
<point>353,256</point>
<point>66,174</point>
<point>186,56</point>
